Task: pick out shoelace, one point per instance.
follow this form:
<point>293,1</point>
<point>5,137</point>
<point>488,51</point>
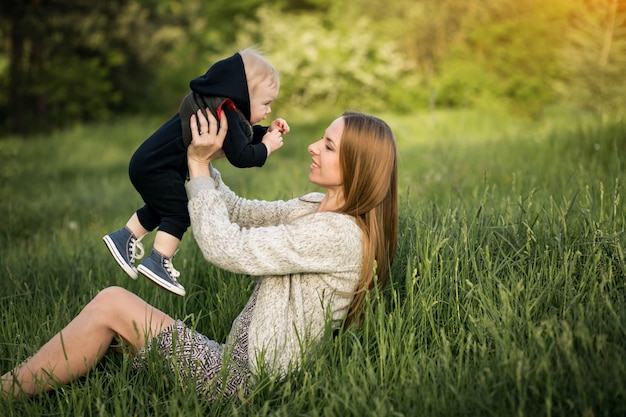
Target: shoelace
<point>136,249</point>
<point>170,268</point>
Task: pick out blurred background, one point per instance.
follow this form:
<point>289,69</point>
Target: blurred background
<point>68,62</point>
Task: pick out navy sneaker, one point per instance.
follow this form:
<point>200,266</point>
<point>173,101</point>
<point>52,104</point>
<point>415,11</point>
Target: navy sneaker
<point>160,270</point>
<point>125,248</point>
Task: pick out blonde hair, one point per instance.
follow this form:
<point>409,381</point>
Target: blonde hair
<point>258,69</point>
<point>369,165</point>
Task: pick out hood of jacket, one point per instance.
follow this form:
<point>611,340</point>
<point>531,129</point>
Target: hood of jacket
<point>225,78</point>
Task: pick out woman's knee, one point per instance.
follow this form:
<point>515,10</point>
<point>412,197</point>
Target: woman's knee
<point>111,293</point>
<point>107,300</point>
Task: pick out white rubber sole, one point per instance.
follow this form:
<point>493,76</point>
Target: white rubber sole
<point>132,272</point>
<point>158,281</point>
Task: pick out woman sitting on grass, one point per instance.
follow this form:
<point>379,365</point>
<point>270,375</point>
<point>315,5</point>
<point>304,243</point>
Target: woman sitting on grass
<point>314,259</point>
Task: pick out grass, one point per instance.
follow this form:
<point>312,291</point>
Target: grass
<point>508,293</point>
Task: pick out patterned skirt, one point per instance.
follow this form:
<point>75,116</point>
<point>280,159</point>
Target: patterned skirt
<point>218,370</point>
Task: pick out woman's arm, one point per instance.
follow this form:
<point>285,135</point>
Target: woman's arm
<point>206,148</point>
<point>313,243</point>
<point>251,213</point>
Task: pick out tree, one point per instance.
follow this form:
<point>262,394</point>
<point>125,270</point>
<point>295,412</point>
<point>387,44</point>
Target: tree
<point>70,61</point>
<point>54,53</point>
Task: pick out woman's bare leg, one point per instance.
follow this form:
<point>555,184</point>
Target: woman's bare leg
<point>84,341</point>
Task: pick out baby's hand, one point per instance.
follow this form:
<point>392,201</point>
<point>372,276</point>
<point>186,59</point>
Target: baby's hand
<point>273,140</point>
<point>280,125</point>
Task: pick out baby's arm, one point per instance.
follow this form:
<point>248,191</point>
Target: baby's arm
<point>240,151</point>
<point>273,139</point>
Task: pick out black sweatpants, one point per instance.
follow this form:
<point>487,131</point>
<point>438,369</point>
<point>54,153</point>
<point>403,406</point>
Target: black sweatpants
<point>158,170</point>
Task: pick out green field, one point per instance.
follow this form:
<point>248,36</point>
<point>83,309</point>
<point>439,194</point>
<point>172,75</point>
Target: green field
<point>508,294</point>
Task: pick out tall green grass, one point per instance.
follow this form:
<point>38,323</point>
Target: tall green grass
<point>508,293</point>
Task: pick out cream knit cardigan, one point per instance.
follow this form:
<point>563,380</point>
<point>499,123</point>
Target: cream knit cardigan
<point>304,262</point>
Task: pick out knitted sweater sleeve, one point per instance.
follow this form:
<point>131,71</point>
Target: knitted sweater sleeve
<point>255,213</point>
<point>312,243</point>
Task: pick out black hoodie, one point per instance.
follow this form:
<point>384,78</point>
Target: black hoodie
<point>226,80</point>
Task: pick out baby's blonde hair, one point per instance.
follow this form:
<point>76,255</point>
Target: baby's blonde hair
<point>258,69</point>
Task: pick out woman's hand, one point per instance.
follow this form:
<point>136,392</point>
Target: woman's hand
<point>206,145</point>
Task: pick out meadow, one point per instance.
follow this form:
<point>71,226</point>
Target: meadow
<point>508,291</point>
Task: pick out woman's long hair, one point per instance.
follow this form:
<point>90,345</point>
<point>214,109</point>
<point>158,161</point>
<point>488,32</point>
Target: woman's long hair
<point>369,165</point>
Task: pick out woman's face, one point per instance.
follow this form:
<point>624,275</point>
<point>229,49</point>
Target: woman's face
<point>324,170</point>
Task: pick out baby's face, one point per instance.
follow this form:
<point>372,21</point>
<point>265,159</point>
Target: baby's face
<point>260,101</point>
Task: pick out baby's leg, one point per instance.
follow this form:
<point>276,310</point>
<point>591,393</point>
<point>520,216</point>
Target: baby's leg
<point>134,225</point>
<point>158,265</point>
<point>166,244</point>
<point>125,245</point>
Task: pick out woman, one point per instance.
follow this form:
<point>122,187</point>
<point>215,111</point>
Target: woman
<point>314,259</point>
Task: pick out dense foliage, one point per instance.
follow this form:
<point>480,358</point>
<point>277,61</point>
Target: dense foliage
<point>71,61</point>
